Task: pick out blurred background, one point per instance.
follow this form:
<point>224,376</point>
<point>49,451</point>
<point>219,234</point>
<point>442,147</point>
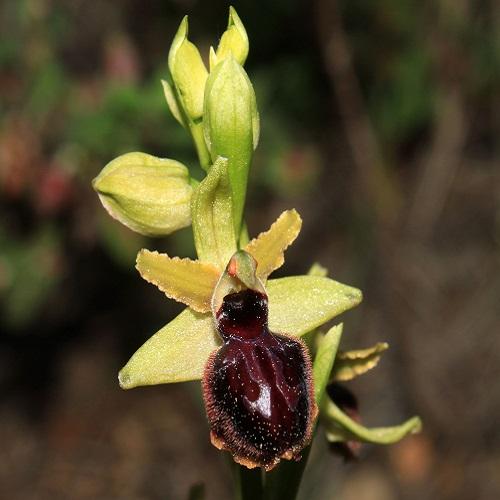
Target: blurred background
<point>379,125</point>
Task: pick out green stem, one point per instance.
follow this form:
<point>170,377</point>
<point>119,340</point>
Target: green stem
<point>244,238</point>
<point>283,483</point>
<point>248,483</point>
<point>200,144</point>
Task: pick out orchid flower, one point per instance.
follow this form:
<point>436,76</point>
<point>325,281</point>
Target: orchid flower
<point>240,332</point>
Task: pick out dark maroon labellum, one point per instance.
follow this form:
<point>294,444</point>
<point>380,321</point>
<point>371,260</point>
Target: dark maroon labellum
<point>257,386</point>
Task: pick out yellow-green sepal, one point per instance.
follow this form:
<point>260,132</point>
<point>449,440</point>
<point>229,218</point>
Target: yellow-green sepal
<point>299,304</point>
<point>176,353</point>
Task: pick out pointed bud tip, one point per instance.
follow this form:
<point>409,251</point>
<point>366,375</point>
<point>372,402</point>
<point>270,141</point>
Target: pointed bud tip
<point>189,73</point>
<point>184,26</point>
<point>234,40</point>
<point>124,379</point>
<point>356,295</point>
<point>180,36</point>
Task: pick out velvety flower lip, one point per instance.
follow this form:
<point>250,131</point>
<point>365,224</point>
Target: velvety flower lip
<point>179,351</point>
<point>257,386</point>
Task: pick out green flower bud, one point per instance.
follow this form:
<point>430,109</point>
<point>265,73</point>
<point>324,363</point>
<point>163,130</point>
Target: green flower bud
<point>188,72</point>
<point>231,126</point>
<point>147,194</point>
<point>233,41</point>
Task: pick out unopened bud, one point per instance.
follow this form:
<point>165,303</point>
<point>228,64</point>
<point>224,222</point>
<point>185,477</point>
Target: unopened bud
<point>147,194</point>
<point>188,72</point>
<point>231,125</point>
<point>233,41</point>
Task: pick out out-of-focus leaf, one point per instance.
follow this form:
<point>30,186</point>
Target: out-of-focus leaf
<point>120,243</point>
<point>317,270</point>
<point>28,272</point>
<point>350,364</point>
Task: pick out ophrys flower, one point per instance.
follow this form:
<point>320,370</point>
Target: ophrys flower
<point>180,350</point>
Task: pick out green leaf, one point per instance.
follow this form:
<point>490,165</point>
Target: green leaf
<point>341,427</point>
<point>350,364</point>
<point>147,194</point>
<point>212,217</point>
<point>229,120</point>
<point>323,362</point>
<point>298,304</point>
<point>176,353</point>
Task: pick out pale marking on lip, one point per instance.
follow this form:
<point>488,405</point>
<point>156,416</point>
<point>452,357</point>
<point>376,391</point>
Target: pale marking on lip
<point>263,403</point>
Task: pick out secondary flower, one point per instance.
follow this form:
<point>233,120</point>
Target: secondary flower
<point>180,350</point>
